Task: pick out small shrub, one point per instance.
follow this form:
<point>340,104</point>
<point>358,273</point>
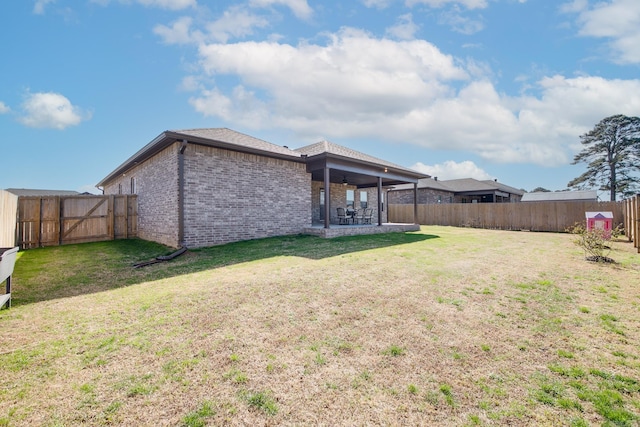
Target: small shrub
<point>593,242</point>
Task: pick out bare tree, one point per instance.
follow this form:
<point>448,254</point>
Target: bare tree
<point>612,154</point>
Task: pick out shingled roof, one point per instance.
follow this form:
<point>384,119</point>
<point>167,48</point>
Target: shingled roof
<point>232,140</point>
<point>239,139</point>
<point>326,147</point>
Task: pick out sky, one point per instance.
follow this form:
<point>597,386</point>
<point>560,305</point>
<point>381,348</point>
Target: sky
<point>485,89</point>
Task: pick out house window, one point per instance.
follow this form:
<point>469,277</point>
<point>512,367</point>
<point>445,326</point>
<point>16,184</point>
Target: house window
<point>351,198</point>
<point>363,199</point>
<point>133,185</point>
<point>382,201</point>
<point>321,203</point>
<point>439,199</point>
<point>119,188</point>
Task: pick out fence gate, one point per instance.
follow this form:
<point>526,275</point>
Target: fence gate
<point>59,220</point>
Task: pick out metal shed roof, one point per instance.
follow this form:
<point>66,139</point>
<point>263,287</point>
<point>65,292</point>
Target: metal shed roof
<point>560,196</point>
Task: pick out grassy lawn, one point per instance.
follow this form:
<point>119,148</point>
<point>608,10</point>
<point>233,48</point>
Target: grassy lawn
<point>447,326</point>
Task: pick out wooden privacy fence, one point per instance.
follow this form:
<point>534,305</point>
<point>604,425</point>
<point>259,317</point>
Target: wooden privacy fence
<point>632,220</point>
<point>59,220</point>
<point>533,216</point>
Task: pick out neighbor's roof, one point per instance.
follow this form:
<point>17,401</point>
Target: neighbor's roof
<point>462,185</point>
<point>504,187</point>
<point>560,196</point>
<point>213,137</point>
<point>326,147</point>
<point>33,192</point>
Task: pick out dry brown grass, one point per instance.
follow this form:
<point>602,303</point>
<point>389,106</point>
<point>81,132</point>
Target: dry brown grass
<point>472,327</point>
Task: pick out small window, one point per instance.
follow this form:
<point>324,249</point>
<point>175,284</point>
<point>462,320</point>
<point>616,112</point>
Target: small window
<point>350,198</point>
<point>363,199</point>
<point>133,185</point>
<point>119,188</point>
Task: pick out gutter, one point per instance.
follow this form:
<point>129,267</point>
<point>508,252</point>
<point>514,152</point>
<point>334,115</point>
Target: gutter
<point>183,147</point>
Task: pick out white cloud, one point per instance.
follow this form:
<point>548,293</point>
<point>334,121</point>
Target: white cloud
<point>39,6</point>
<point>358,86</point>
<point>162,4</point>
<point>378,4</point>
<point>453,170</point>
<point>616,20</point>
<point>235,22</point>
<point>300,8</point>
<point>405,28</point>
<point>4,108</point>
<point>574,6</point>
<point>460,23</point>
<point>179,32</point>
<point>51,110</point>
<point>469,4</point>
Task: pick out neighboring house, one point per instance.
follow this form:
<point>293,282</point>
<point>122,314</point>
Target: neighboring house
<point>203,187</point>
<point>41,193</point>
<point>467,190</point>
<point>561,196</point>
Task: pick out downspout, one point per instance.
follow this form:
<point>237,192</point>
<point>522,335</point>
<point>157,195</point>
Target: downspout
<point>183,147</point>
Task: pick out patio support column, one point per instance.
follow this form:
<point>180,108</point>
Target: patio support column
<point>415,202</point>
<point>327,198</point>
<point>380,200</point>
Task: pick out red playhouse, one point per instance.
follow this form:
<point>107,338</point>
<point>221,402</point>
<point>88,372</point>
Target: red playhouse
<point>600,221</point>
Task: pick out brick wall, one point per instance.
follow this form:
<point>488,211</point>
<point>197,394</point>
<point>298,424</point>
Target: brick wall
<point>156,184</point>
<point>426,196</point>
<point>232,196</point>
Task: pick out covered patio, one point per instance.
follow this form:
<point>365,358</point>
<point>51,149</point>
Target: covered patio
<point>343,178</point>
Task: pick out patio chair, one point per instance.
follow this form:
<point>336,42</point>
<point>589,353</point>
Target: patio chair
<point>342,216</point>
<point>366,216</point>
<point>358,216</point>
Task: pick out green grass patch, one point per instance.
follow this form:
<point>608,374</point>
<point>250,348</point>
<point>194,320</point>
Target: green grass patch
<point>198,418</point>
<point>261,400</point>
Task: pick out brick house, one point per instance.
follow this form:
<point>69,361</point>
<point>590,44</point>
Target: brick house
<point>467,190</point>
<point>203,187</point>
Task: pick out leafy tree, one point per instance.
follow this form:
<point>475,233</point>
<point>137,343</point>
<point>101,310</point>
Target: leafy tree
<point>540,190</point>
<point>612,154</point>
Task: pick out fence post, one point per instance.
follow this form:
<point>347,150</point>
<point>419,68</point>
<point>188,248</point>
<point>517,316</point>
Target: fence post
<point>636,220</point>
<point>111,218</point>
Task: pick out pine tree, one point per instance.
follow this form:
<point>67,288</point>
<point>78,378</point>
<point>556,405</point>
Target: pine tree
<point>612,154</point>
